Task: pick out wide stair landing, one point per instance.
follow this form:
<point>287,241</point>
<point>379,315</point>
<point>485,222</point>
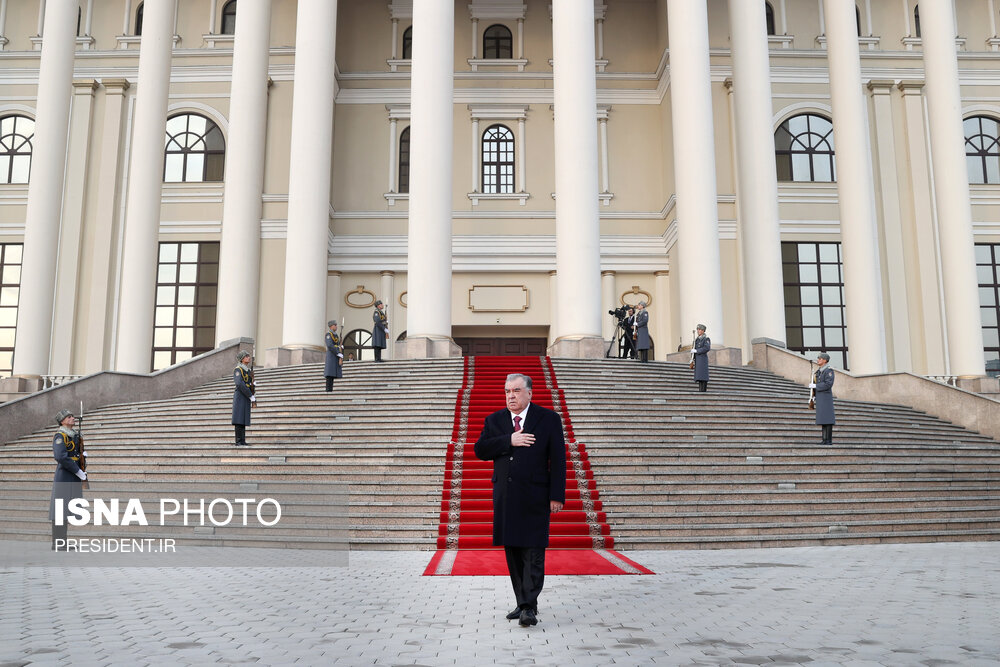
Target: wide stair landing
<point>383,431</point>
<point>741,465</point>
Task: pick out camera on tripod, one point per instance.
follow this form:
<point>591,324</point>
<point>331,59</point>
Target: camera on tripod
<point>621,312</point>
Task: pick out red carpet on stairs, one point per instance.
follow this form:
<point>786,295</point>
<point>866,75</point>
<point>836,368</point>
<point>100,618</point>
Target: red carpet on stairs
<point>579,538</point>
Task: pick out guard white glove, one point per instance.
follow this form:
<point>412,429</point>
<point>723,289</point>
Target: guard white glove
<point>812,385</point>
<point>253,399</point>
<point>85,453</point>
<point>82,475</point>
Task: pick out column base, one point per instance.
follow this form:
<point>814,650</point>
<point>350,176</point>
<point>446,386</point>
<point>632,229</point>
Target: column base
<point>721,356</point>
<point>425,347</point>
<point>589,347</point>
<point>293,355</point>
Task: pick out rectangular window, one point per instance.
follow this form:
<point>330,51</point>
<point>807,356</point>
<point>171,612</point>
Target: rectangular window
<point>814,300</point>
<point>187,280</point>
<point>988,273</point>
<point>10,287</point>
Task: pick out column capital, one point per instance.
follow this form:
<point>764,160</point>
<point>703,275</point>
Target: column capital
<point>115,86</point>
<point>334,273</point>
<point>387,273</point>
<point>661,273</point>
<point>603,273</point>
<point>881,86</point>
<point>915,87</point>
<point>84,86</point>
<point>552,273</point>
<point>728,83</point>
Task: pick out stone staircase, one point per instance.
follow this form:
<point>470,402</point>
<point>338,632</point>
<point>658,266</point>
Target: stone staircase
<point>383,430</point>
<point>741,465</point>
<point>737,467</point>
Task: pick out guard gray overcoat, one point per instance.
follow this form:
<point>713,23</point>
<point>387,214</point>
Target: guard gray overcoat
<point>378,331</point>
<point>525,479</point>
<point>702,344</point>
<point>824,396</point>
<point>642,330</point>
<point>241,397</point>
<point>65,484</point>
<point>334,353</point>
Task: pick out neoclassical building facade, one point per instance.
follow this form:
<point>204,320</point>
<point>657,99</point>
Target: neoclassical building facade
<point>501,173</point>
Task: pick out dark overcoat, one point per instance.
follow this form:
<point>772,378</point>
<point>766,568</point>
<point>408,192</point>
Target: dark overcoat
<point>65,484</point>
<point>824,396</point>
<point>702,344</point>
<point>378,331</point>
<point>334,353</point>
<point>642,330</point>
<point>241,397</point>
<point>525,479</point>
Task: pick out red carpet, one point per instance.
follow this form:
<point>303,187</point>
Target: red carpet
<point>465,540</point>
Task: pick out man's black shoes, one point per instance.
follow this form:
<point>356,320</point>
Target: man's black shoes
<point>514,615</point>
<point>527,618</point>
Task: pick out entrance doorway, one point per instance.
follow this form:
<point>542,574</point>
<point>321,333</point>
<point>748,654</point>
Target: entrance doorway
<point>474,347</point>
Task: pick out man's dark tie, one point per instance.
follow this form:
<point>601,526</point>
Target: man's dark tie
<point>517,423</point>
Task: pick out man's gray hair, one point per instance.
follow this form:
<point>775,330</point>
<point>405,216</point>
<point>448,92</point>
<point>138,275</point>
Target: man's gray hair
<point>514,376</point>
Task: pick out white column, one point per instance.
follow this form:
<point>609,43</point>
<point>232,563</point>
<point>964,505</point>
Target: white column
<point>48,164</point>
<point>608,302</point>
<point>951,189</point>
<point>758,182</point>
<point>41,17</point>
<point>430,221</point>
<point>894,242</point>
<point>699,274</point>
<point>239,254</point>
<point>553,307</point>
<point>475,38</point>
<point>600,39</point>
<point>68,300</point>
<point>393,143</point>
<point>855,190</point>
<point>142,215</point>
<point>3,22</point>
<point>661,290</point>
<point>605,181</point>
<point>520,39</point>
<point>475,155</point>
<point>213,7</point>
<point>784,17</point>
<point>101,249</point>
<point>395,38</point>
<point>306,255</point>
<point>906,18</point>
<point>520,155</point>
<point>127,18</point>
<point>578,234</point>
<point>387,293</point>
<point>89,20</point>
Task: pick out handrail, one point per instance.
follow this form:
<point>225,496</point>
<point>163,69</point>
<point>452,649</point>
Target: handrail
<point>954,404</point>
<point>31,413</point>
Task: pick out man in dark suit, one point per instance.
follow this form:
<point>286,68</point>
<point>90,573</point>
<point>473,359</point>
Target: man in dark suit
<point>825,415</point>
<point>525,443</point>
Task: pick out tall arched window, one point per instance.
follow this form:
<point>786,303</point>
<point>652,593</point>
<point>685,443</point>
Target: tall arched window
<point>498,43</point>
<point>498,160</point>
<point>79,19</point>
<point>769,18</point>
<point>803,149</point>
<point>408,43</point>
<point>857,18</point>
<point>138,19</point>
<point>229,18</point>
<point>16,134</point>
<point>195,150</point>
<point>404,161</point>
<point>982,149</point>
<point>916,21</point>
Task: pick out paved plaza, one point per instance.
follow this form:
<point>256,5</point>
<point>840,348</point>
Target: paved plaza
<point>918,604</point>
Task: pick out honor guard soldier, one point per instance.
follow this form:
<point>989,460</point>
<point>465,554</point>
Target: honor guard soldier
<point>702,344</point>
<point>334,367</point>
<point>823,387</point>
<point>71,464</point>
<point>244,396</point>
<point>381,329</point>
<point>642,331</point>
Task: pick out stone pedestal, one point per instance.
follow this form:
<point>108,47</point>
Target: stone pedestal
<point>978,385</point>
<point>722,356</point>
<point>21,384</point>
<point>591,347</point>
<point>427,348</point>
<point>293,356</point>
